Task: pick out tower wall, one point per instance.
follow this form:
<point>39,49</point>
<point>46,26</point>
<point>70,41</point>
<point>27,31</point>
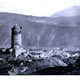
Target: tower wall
<point>16,37</point>
<point>16,43</point>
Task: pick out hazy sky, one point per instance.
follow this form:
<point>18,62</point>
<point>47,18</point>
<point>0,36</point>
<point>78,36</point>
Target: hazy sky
<point>36,7</point>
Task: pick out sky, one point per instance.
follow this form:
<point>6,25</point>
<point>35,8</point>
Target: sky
<point>36,7</point>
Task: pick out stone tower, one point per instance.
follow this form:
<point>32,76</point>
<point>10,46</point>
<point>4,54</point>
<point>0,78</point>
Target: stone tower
<point>16,43</point>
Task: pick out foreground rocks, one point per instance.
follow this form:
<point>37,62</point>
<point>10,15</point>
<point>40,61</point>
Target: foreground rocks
<point>27,67</point>
<point>72,69</point>
<point>41,62</point>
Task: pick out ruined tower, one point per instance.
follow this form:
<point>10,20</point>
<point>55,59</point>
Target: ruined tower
<point>16,43</point>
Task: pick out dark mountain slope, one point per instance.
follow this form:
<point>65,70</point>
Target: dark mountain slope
<point>41,31</point>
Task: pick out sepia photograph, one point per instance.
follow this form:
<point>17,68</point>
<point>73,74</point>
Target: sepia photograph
<point>39,37</point>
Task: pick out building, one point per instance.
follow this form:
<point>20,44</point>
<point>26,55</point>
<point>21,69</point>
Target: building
<point>16,42</point>
<point>16,45</point>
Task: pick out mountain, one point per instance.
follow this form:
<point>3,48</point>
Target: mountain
<point>72,11</point>
<point>41,31</point>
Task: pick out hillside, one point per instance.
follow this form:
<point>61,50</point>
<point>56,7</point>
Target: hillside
<point>41,31</point>
<point>72,11</point>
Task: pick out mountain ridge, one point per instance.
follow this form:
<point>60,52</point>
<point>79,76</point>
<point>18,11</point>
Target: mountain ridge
<point>71,11</point>
<point>41,31</point>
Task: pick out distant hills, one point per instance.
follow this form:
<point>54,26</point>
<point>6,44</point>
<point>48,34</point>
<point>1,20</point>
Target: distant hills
<point>72,11</point>
<point>41,31</point>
